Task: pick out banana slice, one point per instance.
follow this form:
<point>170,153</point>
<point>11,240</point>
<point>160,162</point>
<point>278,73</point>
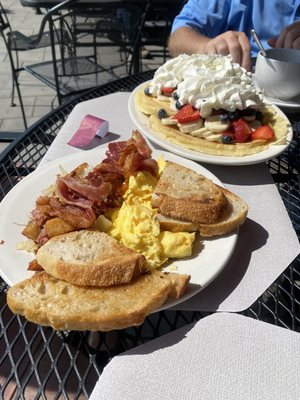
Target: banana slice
<point>169,121</point>
<point>213,124</point>
<point>215,137</point>
<point>191,126</point>
<point>200,132</point>
<point>161,97</point>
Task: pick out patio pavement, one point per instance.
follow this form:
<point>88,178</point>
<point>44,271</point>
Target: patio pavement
<point>37,97</point>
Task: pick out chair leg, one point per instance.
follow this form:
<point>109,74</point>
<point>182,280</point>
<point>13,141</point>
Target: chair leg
<point>15,84</point>
<point>12,100</point>
<point>21,105</point>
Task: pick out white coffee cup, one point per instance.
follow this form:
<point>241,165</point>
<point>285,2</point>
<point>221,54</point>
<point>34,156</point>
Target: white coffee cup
<point>278,74</point>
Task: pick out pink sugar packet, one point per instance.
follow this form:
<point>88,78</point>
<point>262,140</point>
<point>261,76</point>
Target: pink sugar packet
<point>89,128</point>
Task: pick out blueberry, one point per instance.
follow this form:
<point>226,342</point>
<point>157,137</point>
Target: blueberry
<point>162,113</point>
<point>227,139</point>
<point>223,117</point>
<point>178,105</point>
<point>147,91</point>
<point>248,112</point>
<point>234,115</point>
<point>175,95</point>
<point>259,115</point>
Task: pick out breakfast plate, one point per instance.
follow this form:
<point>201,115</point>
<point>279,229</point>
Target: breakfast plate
<point>141,122</point>
<point>209,256</point>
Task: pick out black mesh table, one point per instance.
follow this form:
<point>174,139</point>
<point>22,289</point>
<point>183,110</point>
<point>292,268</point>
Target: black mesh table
<point>39,363</point>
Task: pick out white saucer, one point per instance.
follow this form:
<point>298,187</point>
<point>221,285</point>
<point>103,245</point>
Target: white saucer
<point>285,105</point>
<point>292,106</point>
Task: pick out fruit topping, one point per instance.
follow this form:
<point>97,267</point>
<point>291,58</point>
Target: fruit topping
<point>242,131</point>
<point>224,117</point>
<point>167,91</point>
<point>263,132</point>
<point>162,113</point>
<point>178,105</point>
<point>187,114</point>
<point>259,115</point>
<point>227,139</point>
<point>214,124</point>
<point>234,115</point>
<point>147,91</point>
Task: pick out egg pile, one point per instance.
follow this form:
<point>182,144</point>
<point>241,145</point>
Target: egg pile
<point>135,224</point>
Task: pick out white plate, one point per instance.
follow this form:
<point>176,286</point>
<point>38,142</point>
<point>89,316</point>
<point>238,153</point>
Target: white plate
<point>17,205</point>
<point>141,122</point>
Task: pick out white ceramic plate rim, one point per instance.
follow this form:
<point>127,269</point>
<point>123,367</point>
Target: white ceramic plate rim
<point>16,206</point>
<point>141,122</point>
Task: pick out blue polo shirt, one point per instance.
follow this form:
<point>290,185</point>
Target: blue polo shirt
<point>213,17</point>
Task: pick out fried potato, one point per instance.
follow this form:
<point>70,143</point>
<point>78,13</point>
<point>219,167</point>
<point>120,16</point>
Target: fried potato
<point>57,226</point>
<point>31,230</point>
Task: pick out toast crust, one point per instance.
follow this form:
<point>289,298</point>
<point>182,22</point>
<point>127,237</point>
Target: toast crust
<point>53,302</point>
<point>237,214</point>
<point>184,194</point>
<point>90,258</point>
<point>234,216</point>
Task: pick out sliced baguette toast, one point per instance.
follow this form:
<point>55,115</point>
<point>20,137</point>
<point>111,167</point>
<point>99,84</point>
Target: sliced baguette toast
<point>183,194</point>
<point>48,301</point>
<point>236,215</point>
<point>90,258</point>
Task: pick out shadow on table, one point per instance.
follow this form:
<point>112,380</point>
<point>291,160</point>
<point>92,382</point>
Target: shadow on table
<point>252,236</point>
<point>162,342</point>
<point>252,175</point>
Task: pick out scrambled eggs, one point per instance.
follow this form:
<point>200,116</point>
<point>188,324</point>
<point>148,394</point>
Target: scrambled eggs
<point>135,224</point>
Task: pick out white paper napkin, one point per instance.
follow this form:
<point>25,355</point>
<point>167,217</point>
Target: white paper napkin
<point>267,241</point>
<point>221,357</point>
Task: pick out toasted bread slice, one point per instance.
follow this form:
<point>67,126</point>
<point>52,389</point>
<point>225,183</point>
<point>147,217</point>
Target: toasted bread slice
<point>90,258</point>
<point>236,215</point>
<point>183,194</point>
<point>175,225</point>
<point>48,301</point>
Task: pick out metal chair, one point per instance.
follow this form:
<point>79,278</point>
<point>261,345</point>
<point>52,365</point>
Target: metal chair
<point>17,42</point>
<point>77,64</point>
<point>157,25</point>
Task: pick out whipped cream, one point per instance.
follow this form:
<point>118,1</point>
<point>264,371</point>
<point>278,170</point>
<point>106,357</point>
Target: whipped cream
<point>208,82</point>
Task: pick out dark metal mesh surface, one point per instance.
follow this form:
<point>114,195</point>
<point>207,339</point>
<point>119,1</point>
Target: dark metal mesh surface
<point>39,363</point>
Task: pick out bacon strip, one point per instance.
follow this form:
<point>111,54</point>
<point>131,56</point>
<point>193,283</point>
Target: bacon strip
<point>76,191</point>
<point>80,200</point>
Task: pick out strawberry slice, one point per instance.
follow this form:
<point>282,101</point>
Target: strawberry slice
<point>167,91</point>
<point>242,130</point>
<point>187,114</point>
<point>263,132</point>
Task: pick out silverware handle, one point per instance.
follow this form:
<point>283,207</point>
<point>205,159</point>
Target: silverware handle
<point>258,42</point>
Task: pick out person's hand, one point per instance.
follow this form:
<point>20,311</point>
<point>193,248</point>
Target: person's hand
<point>288,38</point>
<point>234,43</point>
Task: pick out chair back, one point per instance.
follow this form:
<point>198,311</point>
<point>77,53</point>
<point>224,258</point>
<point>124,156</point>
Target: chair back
<point>4,22</point>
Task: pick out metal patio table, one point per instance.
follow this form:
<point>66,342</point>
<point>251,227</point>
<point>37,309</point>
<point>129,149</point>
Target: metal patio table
<point>58,363</point>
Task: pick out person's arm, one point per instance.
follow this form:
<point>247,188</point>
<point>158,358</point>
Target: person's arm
<point>186,40</point>
<point>189,41</point>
